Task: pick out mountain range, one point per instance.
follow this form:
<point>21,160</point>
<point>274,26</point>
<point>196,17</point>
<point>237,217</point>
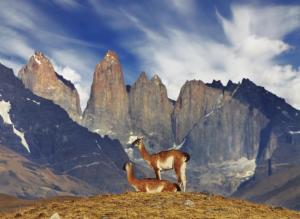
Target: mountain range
<point>243,140</point>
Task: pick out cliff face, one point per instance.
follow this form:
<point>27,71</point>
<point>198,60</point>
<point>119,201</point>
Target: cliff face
<point>39,76</point>
<point>221,133</point>
<point>150,111</point>
<point>196,100</point>
<point>107,108</point>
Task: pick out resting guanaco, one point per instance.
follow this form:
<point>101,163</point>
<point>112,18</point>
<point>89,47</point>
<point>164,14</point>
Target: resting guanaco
<point>165,160</point>
<point>148,185</point>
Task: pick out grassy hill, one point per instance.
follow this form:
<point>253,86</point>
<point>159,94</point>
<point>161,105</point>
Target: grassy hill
<point>141,205</point>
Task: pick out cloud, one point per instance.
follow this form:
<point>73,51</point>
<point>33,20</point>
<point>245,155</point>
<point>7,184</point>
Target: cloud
<point>249,50</point>
<point>82,85</point>
<point>67,4</point>
<point>24,28</point>
<point>185,7</point>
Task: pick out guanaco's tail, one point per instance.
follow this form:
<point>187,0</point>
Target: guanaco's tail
<point>187,156</point>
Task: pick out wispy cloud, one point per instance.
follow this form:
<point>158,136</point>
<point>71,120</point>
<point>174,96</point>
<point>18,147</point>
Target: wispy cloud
<point>24,28</point>
<point>68,4</point>
<point>178,54</point>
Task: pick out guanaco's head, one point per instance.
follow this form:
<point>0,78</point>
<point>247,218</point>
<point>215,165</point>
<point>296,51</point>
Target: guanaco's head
<point>127,166</point>
<point>138,142</point>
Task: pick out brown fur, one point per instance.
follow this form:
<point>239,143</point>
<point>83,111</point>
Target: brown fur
<point>179,159</point>
<point>148,185</point>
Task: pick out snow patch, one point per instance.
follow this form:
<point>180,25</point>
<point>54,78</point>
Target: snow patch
<point>98,145</point>
<point>36,102</point>
<point>85,165</point>
<point>242,168</point>
<point>4,112</point>
<point>92,164</point>
<point>294,132</point>
<point>208,114</point>
<point>97,131</point>
<point>37,60</point>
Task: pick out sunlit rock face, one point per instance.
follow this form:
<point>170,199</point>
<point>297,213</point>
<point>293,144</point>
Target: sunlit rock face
<point>150,111</point>
<point>39,76</point>
<point>107,108</point>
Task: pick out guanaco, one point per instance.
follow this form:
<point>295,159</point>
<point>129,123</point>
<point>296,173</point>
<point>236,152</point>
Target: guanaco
<point>148,185</point>
<point>165,160</point>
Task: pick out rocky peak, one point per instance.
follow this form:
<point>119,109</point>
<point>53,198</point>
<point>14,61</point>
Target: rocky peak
<point>142,78</point>
<point>150,110</point>
<point>39,76</point>
<point>216,84</point>
<point>156,80</point>
<point>111,56</point>
<point>107,108</point>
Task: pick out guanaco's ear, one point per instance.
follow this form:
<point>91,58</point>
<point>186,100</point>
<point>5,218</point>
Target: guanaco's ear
<point>124,167</point>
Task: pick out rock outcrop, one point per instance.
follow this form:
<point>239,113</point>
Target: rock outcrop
<point>107,108</point>
<point>150,111</point>
<point>39,76</point>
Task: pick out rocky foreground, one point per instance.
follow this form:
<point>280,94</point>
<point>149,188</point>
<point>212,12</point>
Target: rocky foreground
<point>141,205</point>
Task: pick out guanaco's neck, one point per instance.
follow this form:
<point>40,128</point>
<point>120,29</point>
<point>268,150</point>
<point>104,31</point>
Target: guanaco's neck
<point>130,176</point>
<point>146,156</point>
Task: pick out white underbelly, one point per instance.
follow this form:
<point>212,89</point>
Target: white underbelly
<point>154,190</point>
<point>166,164</point>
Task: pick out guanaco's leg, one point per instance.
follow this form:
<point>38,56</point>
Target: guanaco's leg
<point>183,176</point>
<point>178,174</point>
<point>157,173</point>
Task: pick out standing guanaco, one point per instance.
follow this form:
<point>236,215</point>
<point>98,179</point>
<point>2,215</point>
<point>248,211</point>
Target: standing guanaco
<point>148,185</point>
<point>165,160</point>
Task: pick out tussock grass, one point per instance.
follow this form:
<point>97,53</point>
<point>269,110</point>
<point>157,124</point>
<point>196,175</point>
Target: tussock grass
<point>141,205</point>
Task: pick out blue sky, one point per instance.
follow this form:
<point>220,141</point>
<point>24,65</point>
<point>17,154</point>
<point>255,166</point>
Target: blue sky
<point>177,39</point>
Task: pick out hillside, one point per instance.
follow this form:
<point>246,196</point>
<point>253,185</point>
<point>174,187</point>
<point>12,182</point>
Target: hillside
<point>141,205</point>
<point>281,188</point>
<point>21,177</point>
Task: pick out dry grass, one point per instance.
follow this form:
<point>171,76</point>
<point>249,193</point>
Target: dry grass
<point>141,205</point>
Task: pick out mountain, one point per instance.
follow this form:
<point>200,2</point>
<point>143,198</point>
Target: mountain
<point>107,107</point>
<point>238,135</point>
<point>43,133</point>
<point>150,111</point>
<point>141,205</point>
<point>39,76</point>
<point>221,134</point>
<point>232,132</point>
